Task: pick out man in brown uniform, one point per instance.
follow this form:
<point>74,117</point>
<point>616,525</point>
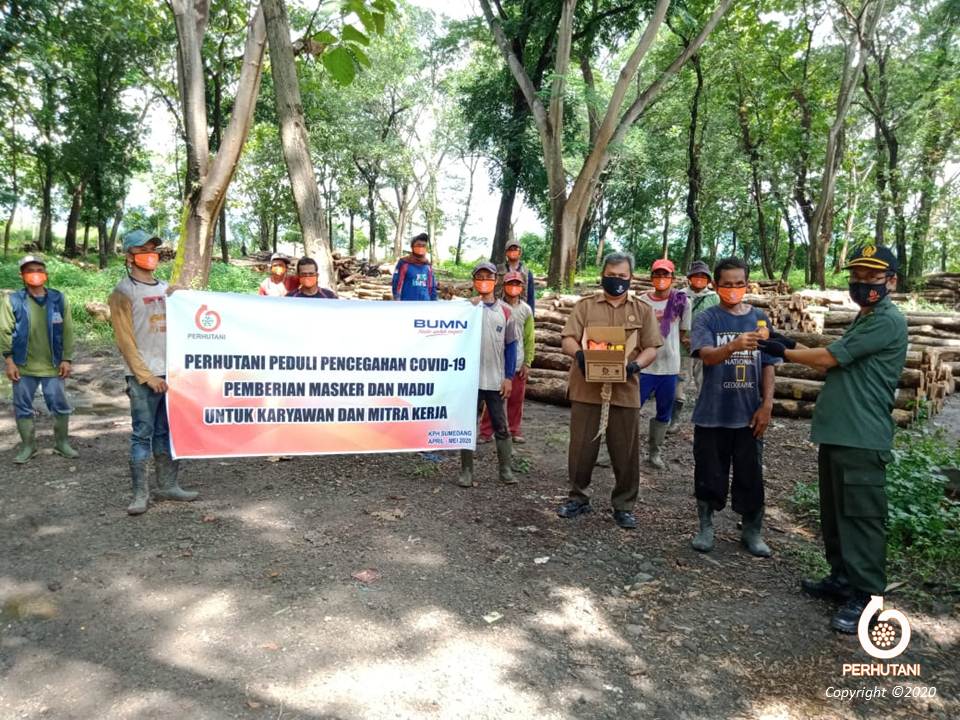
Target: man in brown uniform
<point>613,306</point>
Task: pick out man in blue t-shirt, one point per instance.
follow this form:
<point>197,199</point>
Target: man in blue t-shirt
<point>732,410</point>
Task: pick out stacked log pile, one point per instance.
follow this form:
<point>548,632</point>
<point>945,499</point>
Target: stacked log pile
<point>941,288</point>
<point>932,369</point>
<point>789,312</point>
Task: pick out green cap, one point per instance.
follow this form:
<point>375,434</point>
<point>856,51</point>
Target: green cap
<point>139,238</point>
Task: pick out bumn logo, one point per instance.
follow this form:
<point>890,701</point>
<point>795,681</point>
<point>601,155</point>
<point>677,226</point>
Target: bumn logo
<point>440,324</point>
<point>879,641</point>
<point>206,319</point>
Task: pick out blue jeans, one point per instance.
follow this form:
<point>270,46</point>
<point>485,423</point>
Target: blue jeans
<point>148,411</point>
<point>54,395</point>
<point>665,389</point>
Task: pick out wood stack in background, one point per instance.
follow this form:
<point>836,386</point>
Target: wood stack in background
<point>789,312</point>
<point>939,288</point>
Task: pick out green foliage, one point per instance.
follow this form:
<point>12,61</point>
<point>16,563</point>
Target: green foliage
<point>923,524</point>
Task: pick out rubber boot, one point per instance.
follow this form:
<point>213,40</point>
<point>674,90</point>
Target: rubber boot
<point>466,469</point>
<point>703,542</point>
<point>504,458</point>
<point>675,418</point>
<point>141,490</point>
<point>750,534</point>
<point>28,440</point>
<point>655,438</point>
<point>167,470</point>
<point>61,432</point>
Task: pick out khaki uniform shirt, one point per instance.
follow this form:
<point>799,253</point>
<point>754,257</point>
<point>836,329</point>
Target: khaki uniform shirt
<point>633,315</point>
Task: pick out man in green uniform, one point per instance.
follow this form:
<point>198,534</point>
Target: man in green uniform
<point>853,426</point>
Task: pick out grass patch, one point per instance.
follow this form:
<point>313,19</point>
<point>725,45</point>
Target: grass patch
<point>83,284</point>
<point>923,525</point>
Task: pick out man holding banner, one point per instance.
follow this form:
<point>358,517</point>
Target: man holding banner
<point>139,318</point>
<point>498,361</point>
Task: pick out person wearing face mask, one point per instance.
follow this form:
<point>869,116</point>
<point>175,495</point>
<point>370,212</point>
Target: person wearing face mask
<point>513,287</point>
<point>672,311</point>
<point>278,283</point>
<point>413,277</point>
<point>513,254</point>
<point>613,306</point>
<point>36,339</point>
<point>732,411</point>
<point>307,275</point>
<point>498,363</point>
<point>138,313</point>
<point>853,426</point>
<point>700,297</point>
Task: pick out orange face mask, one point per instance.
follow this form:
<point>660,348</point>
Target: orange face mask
<point>699,283</point>
<point>278,269</point>
<point>308,282</point>
<point>513,254</point>
<point>146,261</point>
<point>484,287</point>
<point>513,290</point>
<point>731,296</point>
<point>419,250</point>
<point>662,283</point>
<point>35,279</point>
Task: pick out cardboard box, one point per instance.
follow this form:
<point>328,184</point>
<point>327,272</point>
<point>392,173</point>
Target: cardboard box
<point>604,366</point>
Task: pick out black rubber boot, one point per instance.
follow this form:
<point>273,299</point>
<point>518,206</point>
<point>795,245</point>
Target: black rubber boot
<point>703,542</point>
<point>167,470</point>
<point>750,535</point>
<point>141,490</point>
<point>676,417</point>
<point>504,458</point>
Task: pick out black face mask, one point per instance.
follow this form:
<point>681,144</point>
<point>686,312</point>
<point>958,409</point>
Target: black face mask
<point>615,286</point>
<point>867,294</point>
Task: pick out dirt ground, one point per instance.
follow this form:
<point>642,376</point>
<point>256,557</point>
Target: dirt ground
<point>486,605</point>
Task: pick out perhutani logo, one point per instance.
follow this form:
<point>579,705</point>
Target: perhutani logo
<point>880,642</point>
<point>207,320</point>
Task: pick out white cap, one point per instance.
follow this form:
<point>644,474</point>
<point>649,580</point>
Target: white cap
<point>27,259</point>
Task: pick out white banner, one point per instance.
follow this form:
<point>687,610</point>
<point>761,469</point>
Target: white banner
<point>253,375</point>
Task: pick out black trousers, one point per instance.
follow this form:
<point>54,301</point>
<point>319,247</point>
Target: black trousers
<point>496,409</point>
<point>714,450</point>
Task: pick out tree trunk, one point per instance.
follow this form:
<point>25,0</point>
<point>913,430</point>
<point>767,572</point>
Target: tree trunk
<point>86,239</point>
<point>103,242</point>
<point>224,248</point>
<point>791,241</point>
<point>881,184</point>
<point>275,231</point>
<point>296,144</point>
<point>351,247</point>
<point>15,190</point>
<point>464,219</point>
<point>263,235</point>
<point>693,248</point>
<point>70,239</point>
<point>114,229</point>
<point>372,218</point>
<point>208,189</point>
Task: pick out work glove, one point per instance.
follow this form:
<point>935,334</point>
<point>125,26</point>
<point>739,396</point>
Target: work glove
<point>773,348</point>
<point>788,343</point>
<point>632,369</point>
<point>581,362</point>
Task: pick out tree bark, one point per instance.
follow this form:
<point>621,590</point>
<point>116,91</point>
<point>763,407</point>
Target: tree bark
<point>296,144</point>
<point>76,204</point>
<point>471,164</point>
<point>693,247</point>
<point>751,147</point>
<point>208,192</point>
<point>224,247</point>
